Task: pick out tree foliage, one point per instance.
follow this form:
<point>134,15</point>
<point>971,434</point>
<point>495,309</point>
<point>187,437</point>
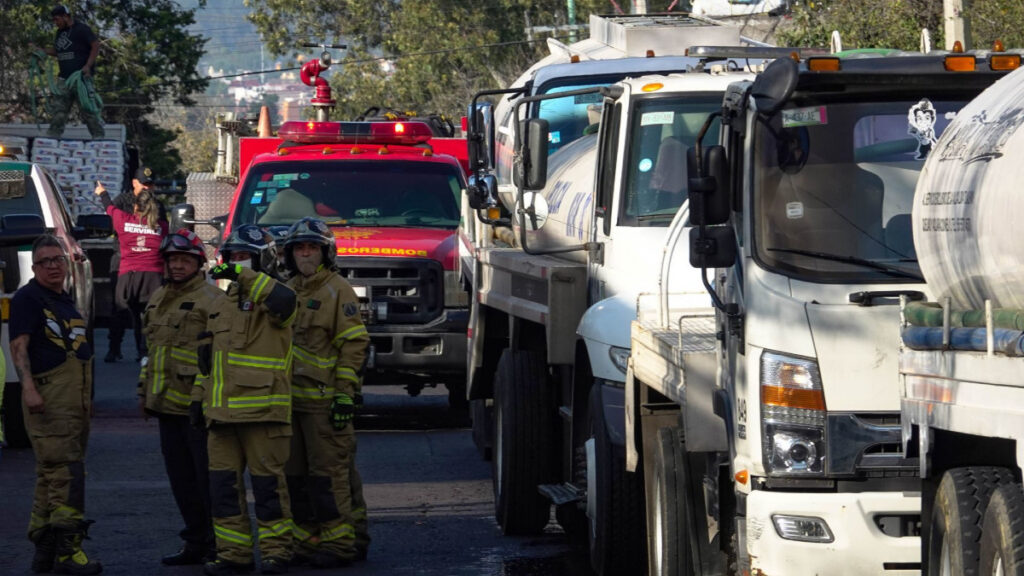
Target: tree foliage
<point>898,23</point>
<point>429,56</point>
<point>146,56</point>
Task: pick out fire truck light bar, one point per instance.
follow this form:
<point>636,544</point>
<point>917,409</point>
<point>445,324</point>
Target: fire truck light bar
<point>408,133</point>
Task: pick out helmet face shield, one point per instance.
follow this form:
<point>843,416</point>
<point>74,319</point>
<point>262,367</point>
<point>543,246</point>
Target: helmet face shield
<point>183,241</point>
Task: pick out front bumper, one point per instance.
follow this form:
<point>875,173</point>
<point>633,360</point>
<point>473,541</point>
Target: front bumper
<point>436,347</point>
<point>859,545</point>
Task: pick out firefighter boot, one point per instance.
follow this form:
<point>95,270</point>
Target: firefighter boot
<point>46,550</point>
<point>222,567</point>
<point>71,559</point>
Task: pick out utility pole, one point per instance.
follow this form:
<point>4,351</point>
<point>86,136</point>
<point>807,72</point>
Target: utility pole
<point>958,22</point>
<point>639,6</point>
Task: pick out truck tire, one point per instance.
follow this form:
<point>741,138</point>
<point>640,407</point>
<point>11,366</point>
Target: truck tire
<point>524,425</point>
<point>670,521</point>
<point>955,526</point>
<point>617,532</point>
<point>482,416</point>
<point>1002,532</point>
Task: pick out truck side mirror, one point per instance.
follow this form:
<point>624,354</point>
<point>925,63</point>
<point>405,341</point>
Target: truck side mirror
<point>482,191</point>
<point>183,216</point>
<point>708,194</point>
<point>715,248</point>
<point>18,226</point>
<point>93,226</point>
<point>480,139</point>
<point>773,87</point>
<point>531,173</point>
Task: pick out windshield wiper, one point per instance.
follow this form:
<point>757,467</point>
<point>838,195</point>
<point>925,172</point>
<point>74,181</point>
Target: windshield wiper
<point>656,216</point>
<point>888,269</point>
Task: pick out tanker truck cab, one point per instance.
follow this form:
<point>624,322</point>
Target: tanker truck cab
<point>393,205</point>
<point>805,215</point>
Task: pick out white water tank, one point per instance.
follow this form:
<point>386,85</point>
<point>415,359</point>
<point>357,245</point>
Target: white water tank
<point>969,202</point>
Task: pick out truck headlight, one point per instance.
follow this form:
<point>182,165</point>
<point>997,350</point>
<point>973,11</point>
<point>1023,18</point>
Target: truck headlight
<point>792,416</point>
<point>619,357</point>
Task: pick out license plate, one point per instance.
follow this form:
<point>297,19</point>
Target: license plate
<point>360,291</point>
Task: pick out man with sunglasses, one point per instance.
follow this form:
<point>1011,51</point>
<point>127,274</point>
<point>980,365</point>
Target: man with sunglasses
<point>53,360</point>
<point>173,323</point>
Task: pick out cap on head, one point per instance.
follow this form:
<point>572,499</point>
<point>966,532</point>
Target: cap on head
<point>60,10</point>
<point>144,175</point>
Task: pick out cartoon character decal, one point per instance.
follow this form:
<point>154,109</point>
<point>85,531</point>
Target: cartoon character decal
<point>921,125</point>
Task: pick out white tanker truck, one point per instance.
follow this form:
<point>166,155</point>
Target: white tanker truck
<point>962,358</point>
<point>552,300</point>
<point>768,427</point>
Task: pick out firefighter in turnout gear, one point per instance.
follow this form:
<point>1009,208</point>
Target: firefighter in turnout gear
<point>246,401</point>
<point>54,364</point>
<point>329,351</point>
<point>175,316</point>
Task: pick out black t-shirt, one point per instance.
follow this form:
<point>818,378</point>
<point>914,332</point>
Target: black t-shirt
<point>73,46</point>
<point>52,324</point>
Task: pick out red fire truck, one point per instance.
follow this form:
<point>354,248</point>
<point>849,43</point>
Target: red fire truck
<point>391,192</point>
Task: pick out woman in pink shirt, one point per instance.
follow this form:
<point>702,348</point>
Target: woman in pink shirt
<point>139,234</point>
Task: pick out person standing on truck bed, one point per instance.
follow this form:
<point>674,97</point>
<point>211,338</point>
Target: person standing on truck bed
<point>54,364</point>
<point>245,396</point>
<point>75,48</point>
<point>139,234</point>
<point>174,319</point>
<point>328,355</point>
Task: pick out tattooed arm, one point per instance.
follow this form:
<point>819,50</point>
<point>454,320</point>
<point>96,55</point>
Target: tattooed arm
<point>29,395</point>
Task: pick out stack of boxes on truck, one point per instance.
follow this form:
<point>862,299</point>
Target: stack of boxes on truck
<point>78,164</point>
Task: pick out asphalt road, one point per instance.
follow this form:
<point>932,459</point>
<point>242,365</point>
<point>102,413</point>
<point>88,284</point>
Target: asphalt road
<point>427,490</point>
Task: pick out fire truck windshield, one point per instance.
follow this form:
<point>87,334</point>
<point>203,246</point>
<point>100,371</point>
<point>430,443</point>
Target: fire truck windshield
<point>352,193</point>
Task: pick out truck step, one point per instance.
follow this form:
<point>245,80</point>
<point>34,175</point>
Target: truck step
<point>562,493</point>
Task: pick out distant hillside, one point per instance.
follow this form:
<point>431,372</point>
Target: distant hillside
<point>233,42</point>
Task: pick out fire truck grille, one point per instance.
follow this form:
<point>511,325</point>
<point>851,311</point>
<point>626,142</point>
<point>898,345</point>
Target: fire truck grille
<point>396,290</point>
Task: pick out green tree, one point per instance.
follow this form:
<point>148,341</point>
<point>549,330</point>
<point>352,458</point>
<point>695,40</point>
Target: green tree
<point>429,56</point>
<point>146,56</point>
<point>898,23</point>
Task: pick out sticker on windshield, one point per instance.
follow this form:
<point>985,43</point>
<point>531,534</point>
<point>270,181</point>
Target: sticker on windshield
<point>286,176</point>
<point>591,98</point>
<point>794,210</point>
<point>262,184</point>
<point>256,197</point>
<point>645,165</point>
<point>812,116</point>
<point>656,118</point>
<point>555,137</point>
<point>921,125</point>
<point>304,176</point>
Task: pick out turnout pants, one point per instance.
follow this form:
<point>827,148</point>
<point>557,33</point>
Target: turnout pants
<point>263,447</point>
<point>318,481</point>
<point>187,464</point>
<point>59,436</point>
<point>359,517</point>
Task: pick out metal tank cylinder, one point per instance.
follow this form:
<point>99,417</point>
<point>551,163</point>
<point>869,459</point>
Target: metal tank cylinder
<point>969,203</point>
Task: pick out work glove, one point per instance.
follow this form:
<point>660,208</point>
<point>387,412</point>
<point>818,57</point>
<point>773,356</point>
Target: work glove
<point>195,415</point>
<point>204,358</point>
<point>342,411</point>
<point>226,271</point>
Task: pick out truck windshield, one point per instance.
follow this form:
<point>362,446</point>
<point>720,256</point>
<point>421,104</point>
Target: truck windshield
<point>834,187</point>
<point>352,193</point>
<point>568,117</point>
<point>662,130</point>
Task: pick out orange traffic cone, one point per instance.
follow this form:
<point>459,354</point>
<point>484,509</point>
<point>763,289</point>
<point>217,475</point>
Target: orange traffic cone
<point>263,129</point>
